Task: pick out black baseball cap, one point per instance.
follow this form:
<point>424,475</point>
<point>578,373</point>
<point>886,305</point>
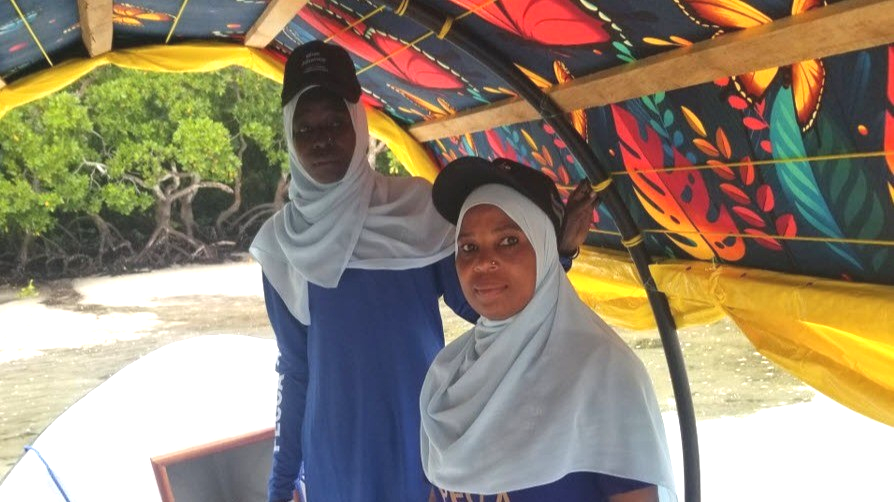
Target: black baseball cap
<point>462,176</point>
<point>318,64</point>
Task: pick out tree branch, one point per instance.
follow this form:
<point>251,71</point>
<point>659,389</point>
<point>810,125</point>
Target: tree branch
<point>137,181</point>
<point>196,186</point>
<point>102,140</point>
<point>97,166</point>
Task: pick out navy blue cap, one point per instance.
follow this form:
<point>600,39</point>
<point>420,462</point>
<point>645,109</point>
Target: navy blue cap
<point>318,64</point>
<point>462,176</point>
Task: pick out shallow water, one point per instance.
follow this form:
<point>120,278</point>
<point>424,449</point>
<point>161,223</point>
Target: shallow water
<point>58,346</point>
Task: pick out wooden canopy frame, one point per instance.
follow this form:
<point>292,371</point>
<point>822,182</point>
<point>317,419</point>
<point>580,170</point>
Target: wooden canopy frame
<point>272,21</point>
<point>96,25</point>
<point>95,18</point>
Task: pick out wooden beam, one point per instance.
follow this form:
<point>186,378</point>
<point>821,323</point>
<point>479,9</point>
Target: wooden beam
<point>842,27</point>
<point>274,18</point>
<point>96,25</point>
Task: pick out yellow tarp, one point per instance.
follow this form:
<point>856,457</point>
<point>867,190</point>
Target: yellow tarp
<point>836,336</point>
<point>607,281</point>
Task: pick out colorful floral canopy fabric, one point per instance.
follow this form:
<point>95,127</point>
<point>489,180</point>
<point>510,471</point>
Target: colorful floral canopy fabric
<point>754,180</point>
<point>778,152</point>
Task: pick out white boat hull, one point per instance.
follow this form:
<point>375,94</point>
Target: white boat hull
<point>185,395</point>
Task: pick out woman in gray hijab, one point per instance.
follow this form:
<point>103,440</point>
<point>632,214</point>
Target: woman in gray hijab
<point>540,400</point>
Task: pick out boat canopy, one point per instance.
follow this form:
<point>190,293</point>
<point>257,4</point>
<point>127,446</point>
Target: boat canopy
<point>744,149</point>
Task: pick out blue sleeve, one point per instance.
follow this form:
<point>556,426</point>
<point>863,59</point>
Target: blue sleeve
<point>453,293</point>
<point>291,393</point>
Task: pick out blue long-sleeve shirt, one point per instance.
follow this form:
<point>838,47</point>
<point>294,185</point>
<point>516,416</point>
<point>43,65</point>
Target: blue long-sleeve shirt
<point>348,402</point>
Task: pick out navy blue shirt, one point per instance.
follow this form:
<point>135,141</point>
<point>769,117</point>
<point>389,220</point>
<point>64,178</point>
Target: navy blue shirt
<point>575,487</point>
<point>350,382</point>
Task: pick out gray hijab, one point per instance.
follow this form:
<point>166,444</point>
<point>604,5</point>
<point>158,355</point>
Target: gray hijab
<point>365,221</point>
<point>553,390</point>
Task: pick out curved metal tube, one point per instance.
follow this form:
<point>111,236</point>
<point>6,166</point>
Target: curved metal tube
<point>488,56</point>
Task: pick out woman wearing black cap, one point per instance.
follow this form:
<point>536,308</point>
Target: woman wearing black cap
<point>353,269</point>
<point>540,400</point>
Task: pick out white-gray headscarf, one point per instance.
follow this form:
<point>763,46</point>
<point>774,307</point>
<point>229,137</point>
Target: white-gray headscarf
<point>365,220</point>
<point>553,390</point>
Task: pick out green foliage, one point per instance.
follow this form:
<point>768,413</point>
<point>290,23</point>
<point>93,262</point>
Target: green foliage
<point>29,290</point>
<point>25,209</point>
<point>387,164</point>
<point>117,141</point>
<point>202,146</point>
<point>44,148</point>
<point>123,199</point>
<point>257,112</point>
<point>163,123</point>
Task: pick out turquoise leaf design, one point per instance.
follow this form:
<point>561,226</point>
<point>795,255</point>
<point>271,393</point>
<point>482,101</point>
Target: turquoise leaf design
<point>848,186</point>
<point>797,178</point>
